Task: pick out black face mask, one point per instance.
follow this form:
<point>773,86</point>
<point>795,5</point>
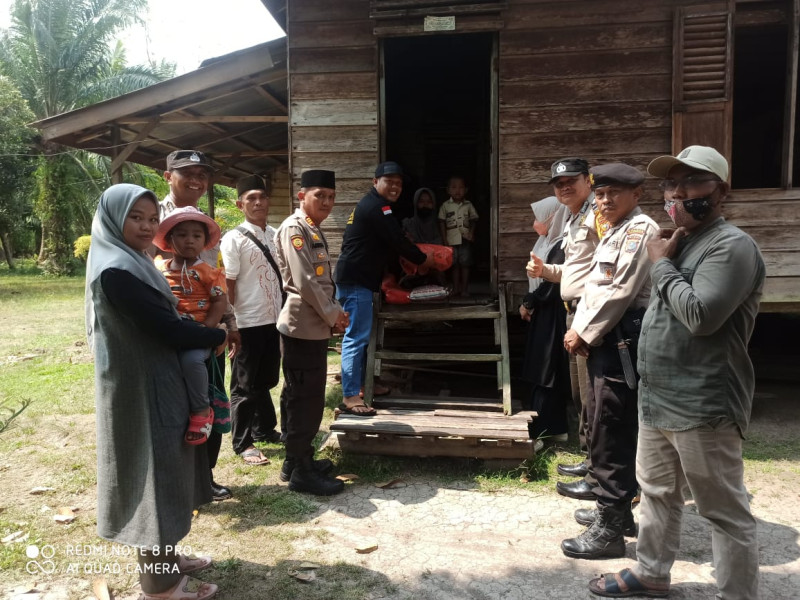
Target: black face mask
<point>424,213</point>
<point>697,207</point>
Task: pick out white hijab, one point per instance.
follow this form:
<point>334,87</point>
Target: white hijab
<point>554,214</point>
<point>109,250</point>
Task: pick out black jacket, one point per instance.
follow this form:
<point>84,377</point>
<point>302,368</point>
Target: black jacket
<point>372,237</point>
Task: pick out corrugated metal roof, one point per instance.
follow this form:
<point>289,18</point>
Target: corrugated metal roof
<point>233,108</point>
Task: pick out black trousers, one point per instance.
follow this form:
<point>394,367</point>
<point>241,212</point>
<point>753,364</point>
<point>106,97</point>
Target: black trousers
<point>254,372</point>
<point>305,366</point>
<point>612,411</point>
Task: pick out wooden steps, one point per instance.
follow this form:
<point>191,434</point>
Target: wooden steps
<point>439,402</point>
<point>439,432</point>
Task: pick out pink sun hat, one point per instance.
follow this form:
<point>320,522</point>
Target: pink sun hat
<point>179,215</point>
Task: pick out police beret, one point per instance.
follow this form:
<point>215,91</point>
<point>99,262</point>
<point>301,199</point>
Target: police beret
<point>251,182</point>
<point>568,167</point>
<point>318,178</point>
<point>616,173</point>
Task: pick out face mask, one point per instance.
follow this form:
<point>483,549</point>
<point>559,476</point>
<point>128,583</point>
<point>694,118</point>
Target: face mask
<point>697,207</point>
<point>424,213</point>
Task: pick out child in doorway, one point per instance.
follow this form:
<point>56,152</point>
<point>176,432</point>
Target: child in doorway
<point>457,221</point>
<point>202,297</point>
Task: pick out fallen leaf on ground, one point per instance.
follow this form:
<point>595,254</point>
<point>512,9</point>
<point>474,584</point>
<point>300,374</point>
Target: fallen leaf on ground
<point>367,549</point>
<point>308,565</point>
<point>64,514</point>
<point>389,484</point>
<point>100,588</point>
<point>347,477</point>
<point>524,479</point>
<point>12,537</point>
<point>41,490</point>
<point>304,576</point>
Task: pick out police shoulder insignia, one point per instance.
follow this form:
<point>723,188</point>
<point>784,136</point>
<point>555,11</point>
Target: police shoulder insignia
<point>350,218</point>
<point>320,270</point>
<point>297,242</point>
<point>310,221</point>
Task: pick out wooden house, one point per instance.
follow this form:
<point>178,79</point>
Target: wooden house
<point>498,89</point>
<point>494,90</point>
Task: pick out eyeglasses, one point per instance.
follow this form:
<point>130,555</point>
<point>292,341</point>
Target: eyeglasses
<point>691,181</point>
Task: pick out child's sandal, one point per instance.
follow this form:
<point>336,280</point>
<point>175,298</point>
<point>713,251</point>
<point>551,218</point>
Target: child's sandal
<point>199,424</point>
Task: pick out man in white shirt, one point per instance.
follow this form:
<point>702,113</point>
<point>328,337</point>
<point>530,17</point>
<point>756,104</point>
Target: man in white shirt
<point>255,290</point>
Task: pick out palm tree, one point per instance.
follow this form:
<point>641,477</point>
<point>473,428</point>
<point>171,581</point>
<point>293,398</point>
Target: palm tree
<point>59,55</point>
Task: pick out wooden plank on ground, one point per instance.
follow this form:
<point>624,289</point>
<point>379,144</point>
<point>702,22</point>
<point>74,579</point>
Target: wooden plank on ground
<point>390,355</point>
<point>400,445</point>
<point>446,313</point>
<point>427,426</point>
<point>525,417</point>
<point>437,402</point>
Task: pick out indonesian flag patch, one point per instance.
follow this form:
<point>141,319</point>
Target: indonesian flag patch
<point>387,210</point>
<point>297,242</point>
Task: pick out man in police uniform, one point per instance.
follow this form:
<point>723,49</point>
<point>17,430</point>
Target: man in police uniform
<point>606,330</point>
<point>305,323</point>
<point>572,186</point>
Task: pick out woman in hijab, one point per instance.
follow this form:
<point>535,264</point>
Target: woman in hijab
<point>148,479</point>
<point>423,227</point>
<point>546,363</point>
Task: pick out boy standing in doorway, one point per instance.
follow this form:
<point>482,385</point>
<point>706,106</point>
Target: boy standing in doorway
<point>457,221</point>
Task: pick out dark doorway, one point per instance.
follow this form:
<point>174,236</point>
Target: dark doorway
<point>437,108</point>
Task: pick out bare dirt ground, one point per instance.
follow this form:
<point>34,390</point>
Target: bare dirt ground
<point>434,541</point>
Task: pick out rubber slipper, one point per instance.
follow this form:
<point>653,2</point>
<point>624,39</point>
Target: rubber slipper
<point>199,424</point>
<point>349,410</point>
<point>625,584</point>
<point>255,454</point>
<point>189,563</point>
<point>188,588</point>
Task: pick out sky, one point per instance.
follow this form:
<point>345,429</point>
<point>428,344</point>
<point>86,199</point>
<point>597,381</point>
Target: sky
<point>187,33</point>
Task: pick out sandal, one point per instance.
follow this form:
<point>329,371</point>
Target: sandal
<point>255,457</point>
<point>625,584</point>
<point>188,588</point>
<point>351,410</point>
<point>199,424</point>
<point>189,563</point>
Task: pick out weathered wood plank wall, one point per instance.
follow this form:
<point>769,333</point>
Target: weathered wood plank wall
<point>573,83</point>
<point>333,92</point>
<point>578,77</point>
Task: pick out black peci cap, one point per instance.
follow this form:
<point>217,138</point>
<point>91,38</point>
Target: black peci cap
<point>251,182</point>
<point>318,178</point>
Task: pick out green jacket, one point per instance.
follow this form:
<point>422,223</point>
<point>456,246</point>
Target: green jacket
<point>693,359</point>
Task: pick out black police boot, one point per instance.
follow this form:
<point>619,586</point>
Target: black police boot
<point>305,478</point>
<point>587,516</point>
<point>323,466</point>
<point>603,539</point>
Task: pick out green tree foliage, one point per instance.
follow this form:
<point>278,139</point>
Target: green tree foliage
<point>15,164</point>
<point>59,54</point>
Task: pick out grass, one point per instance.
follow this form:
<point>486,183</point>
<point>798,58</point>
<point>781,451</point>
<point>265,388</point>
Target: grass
<point>255,538</point>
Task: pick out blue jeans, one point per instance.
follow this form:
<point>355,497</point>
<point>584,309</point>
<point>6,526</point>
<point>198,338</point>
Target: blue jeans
<point>357,301</point>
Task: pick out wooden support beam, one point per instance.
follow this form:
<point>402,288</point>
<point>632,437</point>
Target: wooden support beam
<point>269,97</point>
<point>209,119</point>
<point>119,159</point>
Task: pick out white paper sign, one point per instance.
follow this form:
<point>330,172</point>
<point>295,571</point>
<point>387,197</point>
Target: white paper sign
<point>440,23</point>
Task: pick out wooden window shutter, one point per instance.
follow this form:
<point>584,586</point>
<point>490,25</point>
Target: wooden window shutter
<point>702,85</point>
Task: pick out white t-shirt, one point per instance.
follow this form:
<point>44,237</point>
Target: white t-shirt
<point>258,291</point>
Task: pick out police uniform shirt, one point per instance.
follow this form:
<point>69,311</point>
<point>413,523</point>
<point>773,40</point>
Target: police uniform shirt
<point>580,241</point>
<point>619,277</point>
<point>302,255</point>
